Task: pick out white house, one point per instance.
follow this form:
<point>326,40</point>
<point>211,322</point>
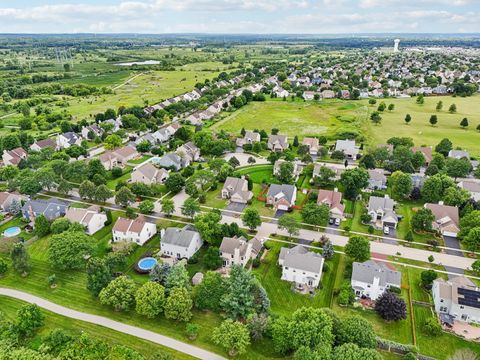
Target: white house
<point>133,230</point>
<point>91,218</point>
<point>382,211</point>
<point>149,174</point>
<point>456,299</point>
<point>68,139</point>
<point>348,147</point>
<point>180,243</point>
<point>301,266</point>
<point>238,251</point>
<point>372,278</point>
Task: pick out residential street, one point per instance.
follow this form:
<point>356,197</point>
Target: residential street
<point>112,324</point>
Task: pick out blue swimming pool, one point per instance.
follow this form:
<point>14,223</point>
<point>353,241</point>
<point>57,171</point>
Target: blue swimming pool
<point>12,231</point>
<point>147,263</point>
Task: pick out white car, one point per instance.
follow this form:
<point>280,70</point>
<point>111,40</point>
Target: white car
<point>337,221</point>
<point>386,230</point>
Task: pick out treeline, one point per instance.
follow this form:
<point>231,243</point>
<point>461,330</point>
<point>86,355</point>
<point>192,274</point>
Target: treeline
<point>25,92</point>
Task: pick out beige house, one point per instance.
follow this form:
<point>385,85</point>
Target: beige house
<point>7,198</point>
<point>149,174</point>
<point>312,144</point>
<point>236,190</point>
<point>13,157</point>
<point>91,218</point>
<point>249,138</point>
<point>238,251</point>
<point>334,201</point>
<point>119,157</point>
<point>137,230</point>
<point>277,142</point>
<point>446,219</point>
<point>43,144</point>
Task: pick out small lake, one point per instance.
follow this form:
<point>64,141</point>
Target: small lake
<point>146,62</point>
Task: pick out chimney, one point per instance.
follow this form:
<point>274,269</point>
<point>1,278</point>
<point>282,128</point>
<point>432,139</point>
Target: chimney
<point>440,202</point>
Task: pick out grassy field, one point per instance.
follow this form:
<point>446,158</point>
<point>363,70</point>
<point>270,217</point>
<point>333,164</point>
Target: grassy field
<point>420,129</point>
<point>53,321</point>
<point>297,118</point>
<point>259,174</point>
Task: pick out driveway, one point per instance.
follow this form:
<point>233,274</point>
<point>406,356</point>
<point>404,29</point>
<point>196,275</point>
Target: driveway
<point>391,236</point>
<point>453,243</point>
<point>238,207</point>
<point>279,213</point>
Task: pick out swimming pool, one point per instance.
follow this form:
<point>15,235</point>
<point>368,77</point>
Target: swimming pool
<point>12,231</point>
<point>147,263</point>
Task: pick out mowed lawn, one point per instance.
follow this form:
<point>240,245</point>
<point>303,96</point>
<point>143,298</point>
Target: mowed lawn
<point>421,131</point>
<point>296,118</point>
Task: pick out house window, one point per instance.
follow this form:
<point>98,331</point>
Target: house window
<point>462,307</point>
<point>443,309</point>
<point>368,286</point>
<point>286,268</point>
<point>441,300</point>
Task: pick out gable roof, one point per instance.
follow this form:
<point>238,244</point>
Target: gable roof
<point>237,186</point>
<point>332,198</point>
<point>368,270</point>
<point>178,237</point>
<point>444,214</point>
<point>46,207</point>
<point>286,190</point>
<point>229,244</point>
<point>470,185</point>
<point>151,172</point>
<point>133,225</point>
<point>278,140</point>
<point>426,151</point>
<point>125,151</point>
<point>300,258</point>
<point>42,144</point>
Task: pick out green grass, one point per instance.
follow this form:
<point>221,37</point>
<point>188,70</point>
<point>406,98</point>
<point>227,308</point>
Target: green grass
<point>297,118</point>
<point>140,160</point>
<point>214,198</point>
<point>127,172</point>
<point>420,129</point>
<point>76,327</point>
<point>260,174</point>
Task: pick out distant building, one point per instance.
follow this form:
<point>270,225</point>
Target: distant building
<point>13,157</point>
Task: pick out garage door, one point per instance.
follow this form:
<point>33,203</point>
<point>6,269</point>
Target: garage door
<point>451,234</point>
<point>282,207</point>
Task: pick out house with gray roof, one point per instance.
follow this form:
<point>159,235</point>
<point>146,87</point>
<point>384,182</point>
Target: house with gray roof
<point>472,186</point>
<point>68,139</point>
<point>171,161</point>
<point>377,179</point>
<point>418,180</point>
<point>180,243</point>
<point>277,142</point>
<point>189,152</point>
<point>238,251</point>
<point>348,147</point>
<point>282,197</point>
<point>236,190</point>
<point>52,209</point>
<point>458,154</point>
<point>301,266</point>
<point>382,211</point>
<point>249,138</point>
<point>149,174</point>
<point>372,278</point>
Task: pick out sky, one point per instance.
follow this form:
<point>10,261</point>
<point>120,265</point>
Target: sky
<point>240,16</point>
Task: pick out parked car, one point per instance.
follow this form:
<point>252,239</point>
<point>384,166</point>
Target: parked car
<point>331,221</point>
<point>337,221</point>
<point>386,230</point>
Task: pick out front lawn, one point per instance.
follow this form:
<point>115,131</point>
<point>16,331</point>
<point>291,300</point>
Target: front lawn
<point>112,183</point>
<point>214,199</point>
<point>260,174</point>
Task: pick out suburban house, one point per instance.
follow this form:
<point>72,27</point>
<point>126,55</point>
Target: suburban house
<point>68,139</point>
<point>13,157</point>
<point>125,154</point>
<point>348,147</point>
<point>43,144</point>
<point>456,299</point>
<point>310,95</point>
<point>7,198</point>
<point>91,131</point>
<point>91,218</point>
<point>301,266</point>
<point>282,197</point>
<point>249,138</point>
<point>277,142</point>
<point>472,186</point>
<point>52,209</point>
<point>426,152</point>
<point>338,170</point>
<point>458,154</point>
<point>149,174</point>
<point>298,167</point>
<point>133,230</point>
<point>236,190</point>
<point>313,145</point>
<point>172,161</point>
<point>189,152</point>
<point>381,209</point>
<point>108,160</point>
<point>180,243</point>
<point>164,134</point>
<point>238,251</point>
<point>377,179</point>
<point>371,278</point>
<point>334,201</point>
<point>446,219</point>
<point>418,180</point>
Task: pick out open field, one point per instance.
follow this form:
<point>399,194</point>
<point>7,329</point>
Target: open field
<point>297,118</point>
<point>76,327</point>
<point>421,131</point>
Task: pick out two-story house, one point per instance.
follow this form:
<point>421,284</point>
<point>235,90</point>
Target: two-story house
<point>282,197</point>
<point>301,266</point>
<point>136,230</point>
<point>180,243</point>
<point>236,190</point>
<point>91,218</point>
<point>372,278</point>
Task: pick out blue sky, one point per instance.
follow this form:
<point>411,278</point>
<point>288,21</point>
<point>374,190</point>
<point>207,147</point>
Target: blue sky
<point>240,16</point>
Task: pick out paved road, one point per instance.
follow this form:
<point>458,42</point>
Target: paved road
<point>114,325</point>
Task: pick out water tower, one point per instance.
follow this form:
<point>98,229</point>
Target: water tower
<point>396,42</point>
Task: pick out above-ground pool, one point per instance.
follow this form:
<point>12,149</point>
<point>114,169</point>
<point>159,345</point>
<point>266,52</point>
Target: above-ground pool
<point>146,264</point>
<point>12,231</point>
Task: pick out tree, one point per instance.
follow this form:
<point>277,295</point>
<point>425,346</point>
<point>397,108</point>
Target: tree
<point>376,117</point>
<point>455,196</point>
<point>233,161</point>
<point>20,259</point>
<point>160,273</point>
<point>357,330</point>
<point>285,172</point>
<point>434,187</point>
<point>346,296</point>
<point>60,225</point>
<point>64,187</point>
<point>328,250</point>
<point>146,207</point>
<point>354,181</point>
<point>3,267</point>
<point>69,250</point>
<point>472,240</point>
<point>420,99</point>
<point>98,275</point>
<point>439,106</point>
<point>177,277</point>
<point>358,248</point>
<point>289,223</point>
<point>42,226</point>
<point>190,207</point>
<point>209,226</point>
<point>233,336</point>
<point>258,325</point>
<point>212,259</point>
<point>433,120</point>
<point>391,107</point>
<point>391,307</point>
<point>408,119</point>
<point>102,193</point>
<point>150,299</point>
<point>87,190</point>
<point>124,197</point>
<point>310,327</point>
<point>468,222</point>
<point>444,147</point>
<point>464,123</point>
<point>179,305</point>
<point>452,109</point>
<point>112,141</point>
<point>168,206</point>
<point>353,352</point>
<point>458,167</point>
<point>29,319</point>
<point>432,327</point>
<point>401,184</point>
<point>316,214</point>
<point>427,277</point>
<point>251,218</point>
<point>209,293</point>
<point>175,183</point>
<point>476,267</point>
<point>119,293</point>
<point>238,301</point>
<point>422,220</point>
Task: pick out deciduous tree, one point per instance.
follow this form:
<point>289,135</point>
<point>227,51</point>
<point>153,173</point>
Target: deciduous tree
<point>119,293</point>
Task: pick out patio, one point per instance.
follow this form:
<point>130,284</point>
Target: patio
<point>469,332</point>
